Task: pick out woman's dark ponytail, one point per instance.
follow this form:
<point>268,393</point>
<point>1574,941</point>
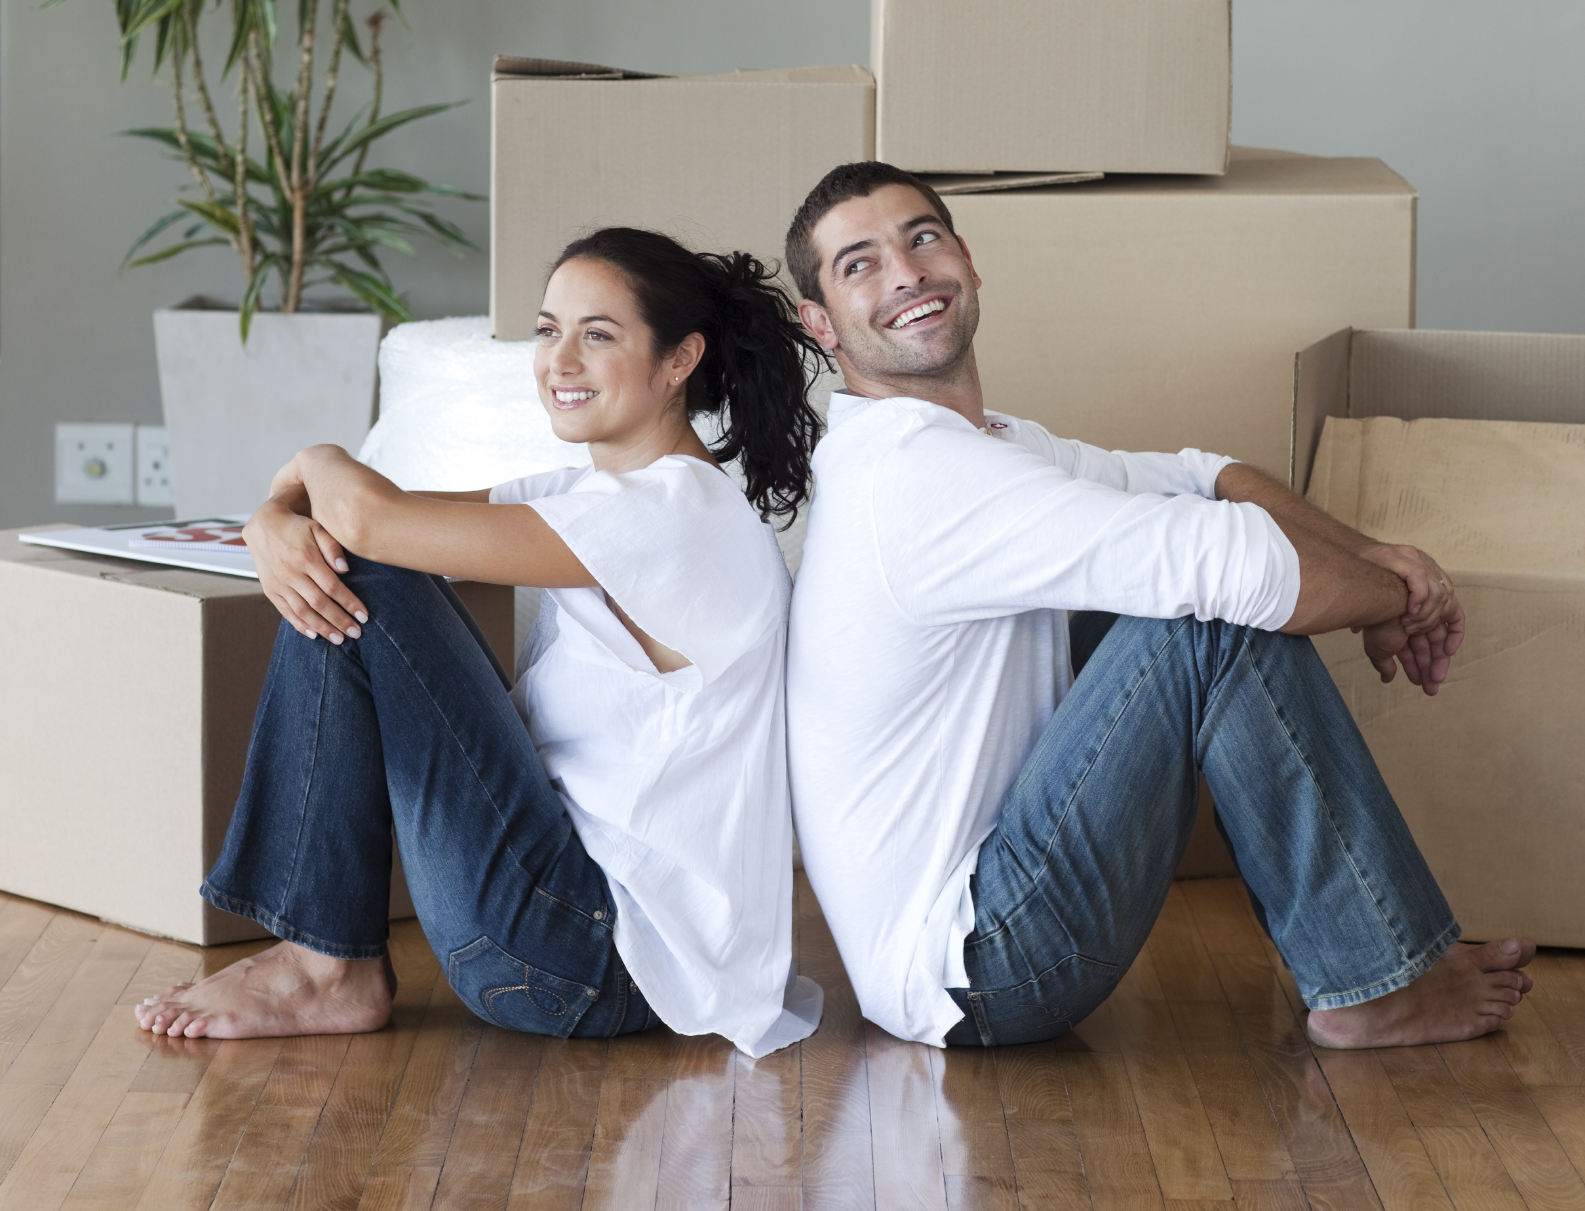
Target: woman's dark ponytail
<point>758,359</point>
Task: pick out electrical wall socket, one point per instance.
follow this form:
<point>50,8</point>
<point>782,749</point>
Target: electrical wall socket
<point>93,464</point>
<point>154,467</point>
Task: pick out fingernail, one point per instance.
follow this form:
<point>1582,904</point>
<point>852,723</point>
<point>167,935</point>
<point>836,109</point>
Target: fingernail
<point>360,615</point>
<point>355,633</point>
<point>341,565</point>
<point>335,638</point>
<point>1509,946</point>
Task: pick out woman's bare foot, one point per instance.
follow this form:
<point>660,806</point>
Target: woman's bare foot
<point>1471,991</point>
<point>286,990</point>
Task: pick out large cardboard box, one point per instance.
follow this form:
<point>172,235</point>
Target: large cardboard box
<point>718,162</point>
<point>1037,85</point>
<point>127,695</point>
<point>1490,773</point>
<point>1155,313</point>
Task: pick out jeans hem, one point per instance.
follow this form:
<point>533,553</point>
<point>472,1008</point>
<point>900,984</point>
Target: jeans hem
<point>1402,978</point>
<point>286,931</point>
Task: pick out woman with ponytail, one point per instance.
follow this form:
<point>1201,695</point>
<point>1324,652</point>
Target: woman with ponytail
<point>606,843</point>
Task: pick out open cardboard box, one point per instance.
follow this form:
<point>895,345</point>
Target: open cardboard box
<point>1044,85</point>
<point>1490,773</point>
<point>130,691</point>
<point>718,162</point>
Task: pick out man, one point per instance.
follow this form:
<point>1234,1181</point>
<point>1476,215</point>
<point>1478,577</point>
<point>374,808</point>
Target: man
<point>991,862</point>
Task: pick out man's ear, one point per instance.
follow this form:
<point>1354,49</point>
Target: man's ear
<point>970,260</point>
<point>815,319</point>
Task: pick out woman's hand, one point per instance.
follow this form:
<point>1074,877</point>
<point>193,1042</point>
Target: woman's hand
<point>297,561</point>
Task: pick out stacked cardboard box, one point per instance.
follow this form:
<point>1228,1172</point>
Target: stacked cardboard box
<point>124,757</point>
<point>719,162</point>
<point>1471,446</point>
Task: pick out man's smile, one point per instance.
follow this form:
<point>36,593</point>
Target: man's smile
<point>920,313</point>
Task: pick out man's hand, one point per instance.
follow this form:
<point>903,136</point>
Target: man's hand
<point>1431,597</point>
<point>297,561</point>
<point>1425,656</point>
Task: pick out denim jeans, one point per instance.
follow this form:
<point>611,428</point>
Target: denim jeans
<point>1071,881</point>
<point>410,727</point>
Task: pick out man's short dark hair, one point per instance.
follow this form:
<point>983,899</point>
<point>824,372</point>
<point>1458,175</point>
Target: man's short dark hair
<point>842,184</point>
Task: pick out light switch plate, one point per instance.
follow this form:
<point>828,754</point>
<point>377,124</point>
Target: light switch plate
<point>93,464</point>
<point>154,467</point>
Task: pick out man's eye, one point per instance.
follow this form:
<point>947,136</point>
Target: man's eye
<point>854,266</point>
<point>927,237</point>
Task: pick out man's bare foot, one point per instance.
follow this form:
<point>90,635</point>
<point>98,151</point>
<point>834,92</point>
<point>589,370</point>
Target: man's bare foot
<point>286,990</point>
<point>1471,991</point>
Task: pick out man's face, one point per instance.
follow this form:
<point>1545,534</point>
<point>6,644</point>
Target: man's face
<point>900,290</point>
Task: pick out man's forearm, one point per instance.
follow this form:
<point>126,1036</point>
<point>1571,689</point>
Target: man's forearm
<point>1337,588</point>
<point>1240,482</point>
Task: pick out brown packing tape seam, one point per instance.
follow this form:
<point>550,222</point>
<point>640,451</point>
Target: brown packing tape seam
<point>562,69</point>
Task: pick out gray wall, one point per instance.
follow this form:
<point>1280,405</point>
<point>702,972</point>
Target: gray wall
<point>1478,103</point>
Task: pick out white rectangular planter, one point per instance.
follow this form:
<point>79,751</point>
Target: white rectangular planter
<point>235,413</point>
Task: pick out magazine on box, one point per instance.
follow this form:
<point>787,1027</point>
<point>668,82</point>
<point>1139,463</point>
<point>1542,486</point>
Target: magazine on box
<point>207,544</point>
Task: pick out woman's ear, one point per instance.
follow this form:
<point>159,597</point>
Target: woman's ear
<point>685,359</point>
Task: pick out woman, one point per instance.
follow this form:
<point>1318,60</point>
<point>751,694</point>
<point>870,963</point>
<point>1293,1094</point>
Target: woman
<point>624,858</point>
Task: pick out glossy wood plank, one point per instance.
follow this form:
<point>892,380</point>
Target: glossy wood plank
<point>489,1130</point>
<point>1400,1170</point>
<point>1471,1173</point>
<point>21,923</point>
<point>342,1148</point>
<point>1270,1195</point>
<point>630,1127</point>
<point>264,1167</point>
<point>195,1160</point>
<point>417,1133</point>
<point>1534,1052</point>
<point>972,1124</point>
<point>767,1127</point>
<point>1518,1133</point>
<point>838,1159</point>
<point>1183,1147</point>
<point>38,980</point>
<point>696,1150</point>
<point>1047,1164</point>
<point>1323,1151</point>
<point>1117,1159</point>
<point>553,1157</point>
<point>1558,999</point>
<point>1563,1108</point>
<point>123,1159</point>
<point>904,1131</point>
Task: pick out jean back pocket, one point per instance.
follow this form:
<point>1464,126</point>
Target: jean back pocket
<point>515,994</point>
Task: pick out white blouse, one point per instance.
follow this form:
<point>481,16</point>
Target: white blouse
<point>676,782</point>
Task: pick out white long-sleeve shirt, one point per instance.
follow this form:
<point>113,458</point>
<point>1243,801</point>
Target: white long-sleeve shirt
<point>928,649</point>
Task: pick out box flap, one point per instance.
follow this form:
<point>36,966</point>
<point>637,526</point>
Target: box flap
<point>840,73</point>
<point>1320,390</point>
<point>561,69</point>
<point>948,184</point>
<point>201,585</point>
<point>1486,498</point>
<point>1468,375</point>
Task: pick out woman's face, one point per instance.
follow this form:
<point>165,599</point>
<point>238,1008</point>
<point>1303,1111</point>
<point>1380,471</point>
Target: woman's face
<point>598,375</point>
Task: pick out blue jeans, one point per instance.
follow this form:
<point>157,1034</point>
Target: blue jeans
<point>410,727</point>
<point>1071,881</point>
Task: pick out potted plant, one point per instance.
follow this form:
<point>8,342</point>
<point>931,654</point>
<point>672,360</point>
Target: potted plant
<point>297,202</point>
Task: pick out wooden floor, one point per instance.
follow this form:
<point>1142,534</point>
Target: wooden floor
<point>1192,1088</point>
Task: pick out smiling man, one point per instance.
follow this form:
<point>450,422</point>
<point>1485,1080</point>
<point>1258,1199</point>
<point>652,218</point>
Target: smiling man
<point>991,837</point>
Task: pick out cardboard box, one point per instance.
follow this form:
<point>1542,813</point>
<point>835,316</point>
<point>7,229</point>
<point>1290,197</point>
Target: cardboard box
<point>718,162</point>
<point>1155,313</point>
<point>130,691</point>
<point>1040,85</point>
<point>1490,773</point>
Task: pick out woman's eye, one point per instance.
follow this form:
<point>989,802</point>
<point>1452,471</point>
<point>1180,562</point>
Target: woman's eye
<point>544,334</point>
<point>594,334</point>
